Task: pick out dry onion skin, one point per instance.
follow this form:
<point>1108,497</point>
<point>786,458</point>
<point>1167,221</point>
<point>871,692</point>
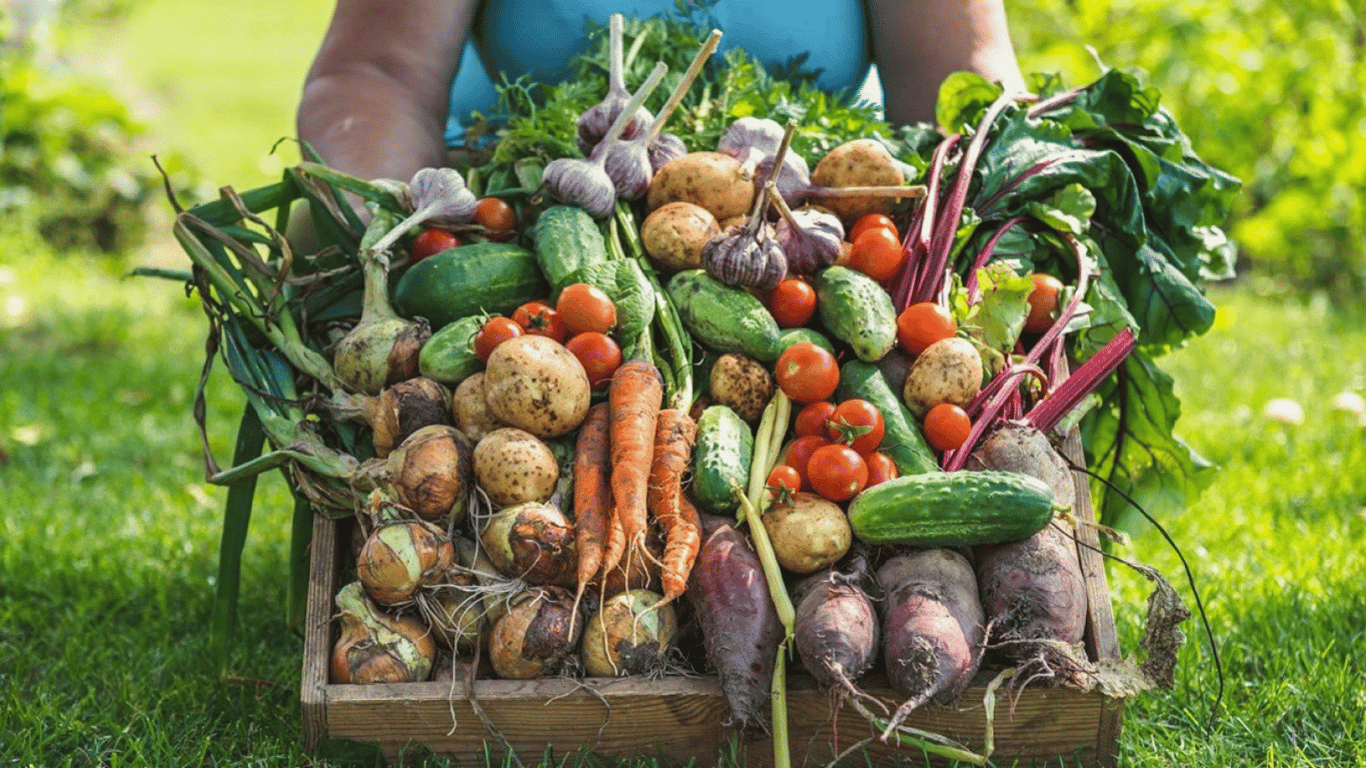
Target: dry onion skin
<point>454,608</point>
<point>374,647</point>
<point>400,557</point>
<point>630,635</point>
<point>432,473</point>
<point>533,542</point>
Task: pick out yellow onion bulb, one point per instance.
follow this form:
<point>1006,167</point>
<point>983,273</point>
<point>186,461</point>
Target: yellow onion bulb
<point>374,647</point>
<point>432,473</point>
<point>400,557</point>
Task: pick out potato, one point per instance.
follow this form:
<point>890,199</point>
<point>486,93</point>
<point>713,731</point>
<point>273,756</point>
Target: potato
<point>741,382</point>
<point>470,411</point>
<point>808,534</point>
<point>674,233</point>
<point>533,383</point>
<point>715,181</point>
<point>857,163</point>
<point>514,466</point>
<point>948,371</point>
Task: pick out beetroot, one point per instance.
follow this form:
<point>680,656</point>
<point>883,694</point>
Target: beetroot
<point>836,627</point>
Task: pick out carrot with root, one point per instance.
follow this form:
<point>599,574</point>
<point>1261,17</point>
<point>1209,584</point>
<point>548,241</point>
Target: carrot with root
<point>675,434</point>
<point>592,497</point>
<point>635,397</point>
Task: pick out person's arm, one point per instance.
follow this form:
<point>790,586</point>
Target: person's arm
<point>374,102</point>
<point>917,43</point>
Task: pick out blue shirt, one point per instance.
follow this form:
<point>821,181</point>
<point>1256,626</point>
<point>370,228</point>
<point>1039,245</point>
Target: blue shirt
<point>538,37</point>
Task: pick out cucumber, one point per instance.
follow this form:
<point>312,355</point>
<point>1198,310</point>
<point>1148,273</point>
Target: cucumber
<point>857,311</point>
<point>479,278</point>
<point>448,356</point>
<point>902,441</point>
<point>793,335</point>
<point>949,509</point>
<point>722,317</point>
<point>567,240</point>
<point>721,459</point>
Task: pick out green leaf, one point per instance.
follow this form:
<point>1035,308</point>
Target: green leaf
<point>251,440</point>
<point>1000,315</point>
<point>1069,209</point>
<point>963,97</point>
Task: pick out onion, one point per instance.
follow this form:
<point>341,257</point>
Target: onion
<point>533,542</point>
<point>630,635</point>
<point>401,556</point>
<point>536,636</point>
<point>432,473</point>
<point>375,647</point>
<point>454,608</point>
<point>396,412</point>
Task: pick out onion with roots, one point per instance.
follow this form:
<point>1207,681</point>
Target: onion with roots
<point>533,542</point>
<point>432,473</point>
<point>375,647</point>
<point>630,635</point>
<point>396,412</point>
<point>454,608</point>
<point>536,637</point>
<point>401,556</point>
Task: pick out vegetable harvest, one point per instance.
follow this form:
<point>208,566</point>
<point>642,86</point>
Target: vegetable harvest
<point>737,403</point>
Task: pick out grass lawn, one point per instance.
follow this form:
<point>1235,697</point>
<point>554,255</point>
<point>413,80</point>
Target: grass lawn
<point>111,537</point>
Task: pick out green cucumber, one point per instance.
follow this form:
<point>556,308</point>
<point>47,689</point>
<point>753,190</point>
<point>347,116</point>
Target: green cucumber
<point>721,459</point>
<point>479,278</point>
<point>857,311</point>
<point>723,317</point>
<point>902,441</point>
<point>567,240</point>
<point>448,356</point>
<point>793,335</point>
<point>952,509</point>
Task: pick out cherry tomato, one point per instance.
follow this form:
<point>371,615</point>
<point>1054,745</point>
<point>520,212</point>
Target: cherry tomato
<point>872,221</point>
<point>798,455</point>
<point>538,319</point>
<point>783,481</point>
<point>921,325</point>
<point>811,418</point>
<point>496,330</point>
<point>792,303</point>
<point>431,241</point>
<point>599,355</point>
<point>881,468</point>
<point>857,424</point>
<point>877,253</point>
<point>807,372</point>
<point>1043,302</point>
<point>584,308</point>
<point>946,427</point>
<point>496,216</point>
<point>837,472</point>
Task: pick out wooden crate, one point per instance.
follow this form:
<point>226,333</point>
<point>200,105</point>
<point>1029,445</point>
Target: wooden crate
<point>679,718</point>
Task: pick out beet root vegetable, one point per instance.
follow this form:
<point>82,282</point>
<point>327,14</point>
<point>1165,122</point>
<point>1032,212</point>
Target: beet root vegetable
<point>932,627</point>
<point>836,629</point>
<point>740,626</point>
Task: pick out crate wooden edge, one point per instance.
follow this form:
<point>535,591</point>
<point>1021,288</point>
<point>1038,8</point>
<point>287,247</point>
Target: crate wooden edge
<point>431,714</point>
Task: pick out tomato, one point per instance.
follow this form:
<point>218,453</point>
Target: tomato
<point>877,253</point>
<point>946,427</point>
<point>792,303</point>
<point>496,330</point>
<point>1043,302</point>
<point>857,424</point>
<point>783,481</point>
<point>837,472</point>
<point>431,241</point>
<point>798,455</point>
<point>873,221</point>
<point>807,372</point>
<point>881,468</point>
<point>811,419</point>
<point>599,355</point>
<point>538,319</point>
<point>584,308</point>
<point>921,325</point>
<point>496,216</point>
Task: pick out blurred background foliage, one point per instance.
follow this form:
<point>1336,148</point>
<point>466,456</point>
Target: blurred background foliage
<point>1268,91</point>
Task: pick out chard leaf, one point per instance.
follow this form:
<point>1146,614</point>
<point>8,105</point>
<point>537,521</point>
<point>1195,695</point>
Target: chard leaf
<point>1069,209</point>
<point>999,317</point>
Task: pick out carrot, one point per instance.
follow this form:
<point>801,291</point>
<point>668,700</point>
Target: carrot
<point>675,434</point>
<point>592,496</point>
<point>635,397</point>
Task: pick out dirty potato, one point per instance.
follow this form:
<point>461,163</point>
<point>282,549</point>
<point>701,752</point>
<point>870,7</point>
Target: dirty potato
<point>514,466</point>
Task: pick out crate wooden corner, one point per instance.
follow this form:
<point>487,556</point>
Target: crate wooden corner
<point>680,717</point>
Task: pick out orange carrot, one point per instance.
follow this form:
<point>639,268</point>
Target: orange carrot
<point>636,394</point>
<point>592,495</point>
<point>674,437</point>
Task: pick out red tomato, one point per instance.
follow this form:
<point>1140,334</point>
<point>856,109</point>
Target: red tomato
<point>1043,302</point>
<point>799,454</point>
<point>792,303</point>
<point>811,419</point>
<point>538,319</point>
<point>584,308</point>
<point>857,424</point>
<point>599,355</point>
<point>807,372</point>
<point>881,468</point>
<point>783,481</point>
<point>496,330</point>
<point>946,427</point>
<point>431,241</point>
<point>837,472</point>
<point>872,221</point>
<point>496,216</point>
<point>877,253</point>
<point>921,325</point>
